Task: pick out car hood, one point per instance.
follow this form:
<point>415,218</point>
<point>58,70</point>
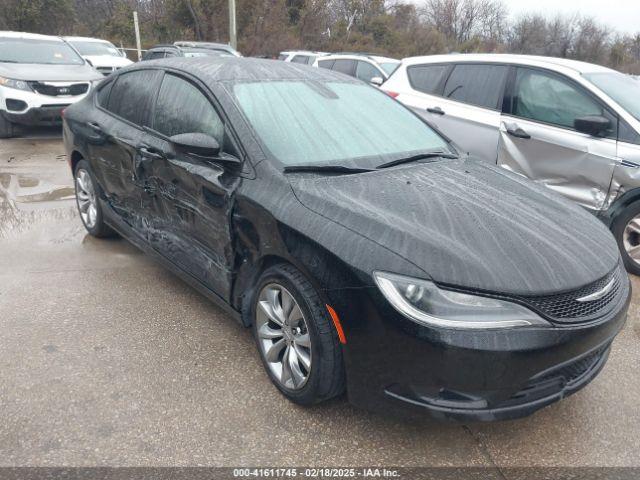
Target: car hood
<point>51,73</point>
<point>108,61</point>
<point>469,224</point>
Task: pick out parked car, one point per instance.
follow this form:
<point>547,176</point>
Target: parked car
<point>39,76</point>
<point>350,237</point>
<point>368,68</point>
<point>101,54</point>
<point>572,126</point>
<point>305,57</point>
<point>218,47</point>
<point>167,51</point>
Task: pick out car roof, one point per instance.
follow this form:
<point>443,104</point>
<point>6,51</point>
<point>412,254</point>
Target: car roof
<point>302,52</point>
<point>86,39</point>
<point>223,69</point>
<point>189,43</point>
<point>30,36</point>
<point>532,60</point>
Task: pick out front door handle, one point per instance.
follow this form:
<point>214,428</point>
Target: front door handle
<point>150,153</point>
<point>518,132</point>
<point>436,110</point>
<point>96,128</point>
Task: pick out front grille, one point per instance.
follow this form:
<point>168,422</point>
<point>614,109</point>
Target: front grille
<point>554,381</point>
<point>565,308</point>
<point>59,90</point>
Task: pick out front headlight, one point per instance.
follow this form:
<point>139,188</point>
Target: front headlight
<point>426,303</point>
<point>17,84</point>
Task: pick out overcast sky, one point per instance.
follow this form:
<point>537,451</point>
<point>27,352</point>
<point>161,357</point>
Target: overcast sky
<point>623,15</point>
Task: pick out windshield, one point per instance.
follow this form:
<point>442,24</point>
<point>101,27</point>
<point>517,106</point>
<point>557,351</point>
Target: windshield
<point>389,67</point>
<point>23,50</point>
<point>305,122</point>
<point>624,89</point>
<point>95,48</point>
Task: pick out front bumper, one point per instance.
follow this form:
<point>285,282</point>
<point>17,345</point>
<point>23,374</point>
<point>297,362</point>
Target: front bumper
<point>47,115</point>
<point>32,109</point>
<point>394,365</point>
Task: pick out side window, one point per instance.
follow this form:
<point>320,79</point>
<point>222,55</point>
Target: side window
<point>550,99</point>
<point>154,55</point>
<point>328,64</point>
<point>479,85</point>
<point>300,59</point>
<point>282,56</point>
<point>182,108</point>
<point>365,71</point>
<point>627,134</point>
<point>344,66</point>
<point>426,78</point>
<point>171,53</point>
<point>103,94</point>
<point>133,94</point>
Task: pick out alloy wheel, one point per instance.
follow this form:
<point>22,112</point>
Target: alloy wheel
<point>631,239</point>
<point>283,336</point>
<point>86,198</point>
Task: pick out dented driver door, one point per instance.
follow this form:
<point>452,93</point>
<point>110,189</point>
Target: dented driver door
<point>538,140</point>
<point>191,197</point>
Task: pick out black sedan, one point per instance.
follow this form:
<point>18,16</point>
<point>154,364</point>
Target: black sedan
<point>365,253</point>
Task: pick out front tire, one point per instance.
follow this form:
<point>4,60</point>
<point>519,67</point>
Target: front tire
<point>296,340</point>
<point>87,201</point>
<point>626,230</point>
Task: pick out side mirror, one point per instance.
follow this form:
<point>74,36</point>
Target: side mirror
<point>202,146</point>
<point>592,124</point>
<point>377,81</point>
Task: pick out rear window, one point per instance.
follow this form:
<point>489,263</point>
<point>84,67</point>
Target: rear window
<point>133,94</point>
<point>345,66</point>
<point>328,64</point>
<point>300,59</point>
<point>479,85</point>
<point>426,78</point>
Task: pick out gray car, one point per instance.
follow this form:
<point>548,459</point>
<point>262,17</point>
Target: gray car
<point>572,126</point>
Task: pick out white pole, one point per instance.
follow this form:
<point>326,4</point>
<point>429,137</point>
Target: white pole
<point>233,39</point>
<point>137,29</point>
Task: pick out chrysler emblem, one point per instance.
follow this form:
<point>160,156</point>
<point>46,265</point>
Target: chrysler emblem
<point>63,90</point>
<point>599,294</point>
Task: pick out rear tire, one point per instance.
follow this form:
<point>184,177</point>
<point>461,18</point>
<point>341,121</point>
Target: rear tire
<point>7,129</point>
<point>87,200</point>
<point>324,378</point>
<point>626,230</point>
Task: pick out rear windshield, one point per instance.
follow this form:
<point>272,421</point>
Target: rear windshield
<point>333,123</point>
<point>624,89</point>
<point>50,52</point>
<point>95,48</point>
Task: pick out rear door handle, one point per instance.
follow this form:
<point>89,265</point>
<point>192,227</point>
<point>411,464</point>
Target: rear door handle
<point>436,110</point>
<point>518,132</point>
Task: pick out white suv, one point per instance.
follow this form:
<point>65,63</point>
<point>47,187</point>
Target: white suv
<point>103,55</point>
<point>368,68</point>
<point>572,126</point>
<point>39,76</point>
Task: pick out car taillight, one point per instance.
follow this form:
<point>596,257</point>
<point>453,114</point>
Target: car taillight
<point>391,94</point>
<point>62,112</point>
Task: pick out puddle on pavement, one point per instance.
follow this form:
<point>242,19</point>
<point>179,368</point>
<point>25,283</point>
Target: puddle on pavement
<point>28,203</point>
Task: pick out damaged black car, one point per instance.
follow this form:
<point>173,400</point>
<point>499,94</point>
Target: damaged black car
<point>365,252</point>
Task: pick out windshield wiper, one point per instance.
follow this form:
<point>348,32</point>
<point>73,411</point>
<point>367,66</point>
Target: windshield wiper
<point>415,158</point>
<point>8,61</point>
<point>325,169</point>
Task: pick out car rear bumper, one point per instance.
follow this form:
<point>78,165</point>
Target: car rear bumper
<point>397,366</point>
